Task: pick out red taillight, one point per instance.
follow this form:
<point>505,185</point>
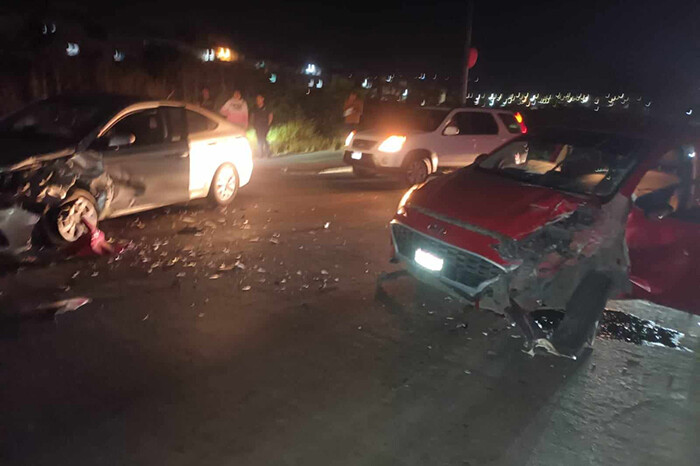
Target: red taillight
<point>519,119</point>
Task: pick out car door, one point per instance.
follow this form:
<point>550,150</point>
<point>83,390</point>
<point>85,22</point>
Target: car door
<point>476,133</point>
<point>662,235</point>
<point>150,165</point>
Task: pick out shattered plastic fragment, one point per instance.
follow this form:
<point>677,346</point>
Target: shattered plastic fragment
<point>245,288</point>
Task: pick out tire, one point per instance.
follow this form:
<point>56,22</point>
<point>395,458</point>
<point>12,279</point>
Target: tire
<point>417,171</point>
<point>362,172</point>
<point>224,185</point>
<point>63,225</point>
<point>583,312</point>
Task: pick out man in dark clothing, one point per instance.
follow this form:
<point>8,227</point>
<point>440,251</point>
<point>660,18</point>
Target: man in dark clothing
<point>262,119</point>
<point>205,100</point>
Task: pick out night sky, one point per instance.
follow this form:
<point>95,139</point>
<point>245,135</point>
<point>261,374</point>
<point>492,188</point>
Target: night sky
<point>652,47</point>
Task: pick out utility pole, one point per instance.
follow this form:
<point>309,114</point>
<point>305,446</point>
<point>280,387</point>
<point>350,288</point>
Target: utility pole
<point>467,47</point>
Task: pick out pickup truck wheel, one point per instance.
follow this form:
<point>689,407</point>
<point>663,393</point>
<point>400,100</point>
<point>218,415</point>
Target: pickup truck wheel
<point>417,171</point>
<point>224,185</point>
<point>583,312</point>
<point>63,225</point>
<point>362,172</point>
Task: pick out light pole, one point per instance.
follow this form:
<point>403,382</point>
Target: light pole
<point>467,47</point>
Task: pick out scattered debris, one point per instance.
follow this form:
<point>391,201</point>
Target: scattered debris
<point>246,288</point>
<point>326,225</point>
<point>216,276</point>
<point>145,317</point>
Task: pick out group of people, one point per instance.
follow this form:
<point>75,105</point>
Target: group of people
<point>235,110</point>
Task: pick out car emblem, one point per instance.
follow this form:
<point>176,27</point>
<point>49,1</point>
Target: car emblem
<point>437,229</point>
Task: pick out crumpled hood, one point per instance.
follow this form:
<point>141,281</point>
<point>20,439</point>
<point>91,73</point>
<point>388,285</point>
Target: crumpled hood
<point>494,203</point>
<point>17,152</point>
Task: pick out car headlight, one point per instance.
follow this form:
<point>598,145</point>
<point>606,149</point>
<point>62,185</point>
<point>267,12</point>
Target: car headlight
<point>349,138</point>
<point>392,144</point>
<point>402,203</point>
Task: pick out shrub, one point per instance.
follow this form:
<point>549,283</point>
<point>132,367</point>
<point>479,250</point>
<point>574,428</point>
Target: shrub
<point>297,136</point>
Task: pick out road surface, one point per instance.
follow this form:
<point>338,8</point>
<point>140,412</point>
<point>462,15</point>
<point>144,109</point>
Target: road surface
<point>255,335</point>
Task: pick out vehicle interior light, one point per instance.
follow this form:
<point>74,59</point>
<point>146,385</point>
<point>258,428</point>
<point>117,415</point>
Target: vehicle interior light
<point>392,144</point>
<point>349,138</point>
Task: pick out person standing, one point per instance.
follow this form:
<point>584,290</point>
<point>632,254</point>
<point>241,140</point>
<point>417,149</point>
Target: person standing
<point>262,119</point>
<point>235,110</point>
<point>205,100</point>
<point>352,111</point>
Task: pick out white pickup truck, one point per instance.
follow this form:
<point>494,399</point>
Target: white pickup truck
<point>430,138</point>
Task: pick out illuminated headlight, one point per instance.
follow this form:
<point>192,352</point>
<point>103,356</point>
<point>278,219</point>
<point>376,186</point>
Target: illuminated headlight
<point>392,144</point>
<point>349,138</point>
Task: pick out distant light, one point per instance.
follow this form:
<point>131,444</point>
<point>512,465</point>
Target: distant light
<point>648,104</point>
<point>319,84</point>
<point>390,78</point>
<point>689,112</point>
<point>118,56</point>
<point>518,117</point>
<point>366,83</point>
<point>312,70</point>
<point>72,49</point>
<point>311,83</point>
<point>225,54</point>
<point>691,155</point>
<point>422,77</point>
<point>259,65</point>
<point>404,94</point>
<point>208,55</point>
<point>273,78</point>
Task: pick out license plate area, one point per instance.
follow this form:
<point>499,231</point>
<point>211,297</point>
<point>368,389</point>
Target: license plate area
<point>356,155</point>
<point>428,260</point>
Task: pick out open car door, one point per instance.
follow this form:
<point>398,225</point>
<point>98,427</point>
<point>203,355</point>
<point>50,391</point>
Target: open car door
<point>663,233</point>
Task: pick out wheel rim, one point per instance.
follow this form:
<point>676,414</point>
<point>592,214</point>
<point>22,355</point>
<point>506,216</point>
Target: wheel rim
<point>225,183</point>
<point>69,223</point>
<point>417,172</point>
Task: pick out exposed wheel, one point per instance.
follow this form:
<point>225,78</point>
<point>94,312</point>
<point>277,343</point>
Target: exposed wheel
<point>417,171</point>
<point>224,185</point>
<point>64,225</point>
<point>583,312</point>
<point>362,172</point>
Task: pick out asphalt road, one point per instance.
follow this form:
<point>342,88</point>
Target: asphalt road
<point>292,357</point>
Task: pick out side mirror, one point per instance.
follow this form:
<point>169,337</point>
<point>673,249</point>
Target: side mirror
<point>659,212</point>
<point>480,158</point>
<point>450,131</point>
<point>120,140</point>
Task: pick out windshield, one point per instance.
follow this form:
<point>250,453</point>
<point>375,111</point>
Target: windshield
<point>62,120</point>
<point>585,163</point>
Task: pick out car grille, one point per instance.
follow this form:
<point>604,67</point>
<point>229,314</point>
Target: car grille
<point>363,144</point>
<point>459,266</point>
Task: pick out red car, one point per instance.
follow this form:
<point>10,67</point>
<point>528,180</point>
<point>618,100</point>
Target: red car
<point>561,220</point>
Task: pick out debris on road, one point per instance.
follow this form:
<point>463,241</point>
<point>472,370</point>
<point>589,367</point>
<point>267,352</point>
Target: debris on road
<point>192,230</point>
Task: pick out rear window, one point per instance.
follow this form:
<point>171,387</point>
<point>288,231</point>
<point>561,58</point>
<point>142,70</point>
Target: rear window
<point>510,122</point>
<point>196,122</point>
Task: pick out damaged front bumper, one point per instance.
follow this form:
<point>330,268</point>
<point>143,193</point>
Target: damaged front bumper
<point>465,275</point>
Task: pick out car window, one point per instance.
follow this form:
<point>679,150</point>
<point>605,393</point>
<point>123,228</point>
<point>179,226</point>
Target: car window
<point>586,163</point>
<point>196,122</point>
<point>510,123</point>
<point>475,123</point>
<point>146,126</point>
<point>175,117</point>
